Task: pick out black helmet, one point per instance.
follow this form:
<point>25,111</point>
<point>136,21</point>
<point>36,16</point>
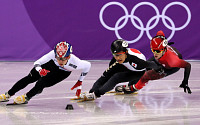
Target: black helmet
<point>118,45</point>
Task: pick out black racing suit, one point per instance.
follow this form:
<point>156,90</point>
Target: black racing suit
<point>56,75</point>
<point>131,69</point>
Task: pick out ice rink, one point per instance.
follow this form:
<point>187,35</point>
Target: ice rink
<point>160,102</point>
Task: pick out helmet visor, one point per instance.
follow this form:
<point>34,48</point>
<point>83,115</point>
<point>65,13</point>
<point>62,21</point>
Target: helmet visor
<point>63,59</point>
<point>157,51</point>
<point>118,54</point>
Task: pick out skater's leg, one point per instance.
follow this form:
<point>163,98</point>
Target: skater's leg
<point>30,78</point>
<point>49,80</point>
<point>117,78</point>
<point>99,83</point>
<point>149,75</point>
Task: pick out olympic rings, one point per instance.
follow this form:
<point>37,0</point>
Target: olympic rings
<point>141,25</point>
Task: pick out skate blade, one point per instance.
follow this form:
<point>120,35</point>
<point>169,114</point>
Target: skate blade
<point>83,100</point>
<point>121,93</point>
<point>14,103</point>
<point>4,101</point>
<point>78,98</point>
<point>111,92</point>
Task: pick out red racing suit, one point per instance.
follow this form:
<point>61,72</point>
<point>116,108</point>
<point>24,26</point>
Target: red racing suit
<point>171,62</point>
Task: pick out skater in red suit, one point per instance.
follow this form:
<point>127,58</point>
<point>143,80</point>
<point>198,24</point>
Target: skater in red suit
<point>166,56</point>
<point>49,70</point>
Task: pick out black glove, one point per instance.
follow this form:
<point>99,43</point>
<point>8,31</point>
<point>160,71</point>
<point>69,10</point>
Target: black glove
<point>159,69</point>
<point>184,85</point>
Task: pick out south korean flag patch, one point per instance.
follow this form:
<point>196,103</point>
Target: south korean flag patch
<point>134,65</point>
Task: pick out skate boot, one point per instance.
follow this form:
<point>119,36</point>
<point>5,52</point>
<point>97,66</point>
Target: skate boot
<point>82,95</point>
<point>4,97</point>
<point>120,88</point>
<point>129,89</point>
<point>87,97</point>
<point>23,99</point>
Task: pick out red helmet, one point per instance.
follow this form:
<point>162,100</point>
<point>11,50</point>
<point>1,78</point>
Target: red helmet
<point>160,33</point>
<point>63,49</point>
<point>158,42</point>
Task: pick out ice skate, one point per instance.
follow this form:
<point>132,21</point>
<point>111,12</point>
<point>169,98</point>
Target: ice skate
<point>119,88</point>
<point>76,98</point>
<point>129,89</point>
<point>125,89</point>
<point>111,92</point>
<point>80,97</point>
<point>23,99</point>
<point>87,97</point>
<point>4,97</point>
